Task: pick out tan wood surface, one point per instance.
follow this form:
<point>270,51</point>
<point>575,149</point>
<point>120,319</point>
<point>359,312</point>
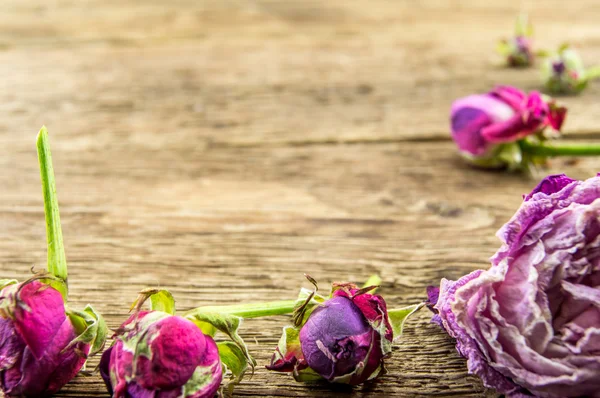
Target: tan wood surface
<point>221,149</point>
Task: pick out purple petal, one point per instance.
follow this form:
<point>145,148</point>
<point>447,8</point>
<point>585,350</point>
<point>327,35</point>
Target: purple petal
<point>470,115</point>
<point>336,338</point>
<point>177,347</point>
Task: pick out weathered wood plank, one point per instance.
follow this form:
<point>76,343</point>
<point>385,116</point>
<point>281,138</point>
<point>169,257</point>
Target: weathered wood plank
<point>267,72</point>
<point>195,149</point>
<point>250,221</point>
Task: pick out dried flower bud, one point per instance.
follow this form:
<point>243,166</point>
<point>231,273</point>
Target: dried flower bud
<point>518,51</point>
<point>39,351</point>
<point>158,353</point>
<point>564,73</point>
<point>342,339</point>
<point>487,127</point>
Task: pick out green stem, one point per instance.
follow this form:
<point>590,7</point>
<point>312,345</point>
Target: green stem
<point>592,73</point>
<point>562,149</point>
<point>57,262</point>
<point>252,310</point>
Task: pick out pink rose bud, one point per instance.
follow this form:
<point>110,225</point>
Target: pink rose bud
<point>530,324</point>
<point>487,127</point>
<point>161,355</point>
<point>38,351</point>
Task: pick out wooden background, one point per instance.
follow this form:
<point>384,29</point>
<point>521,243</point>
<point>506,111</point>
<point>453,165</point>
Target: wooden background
<point>221,149</point>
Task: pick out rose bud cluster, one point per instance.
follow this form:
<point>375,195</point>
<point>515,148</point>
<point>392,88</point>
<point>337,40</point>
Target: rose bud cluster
<point>159,354</point>
<point>488,128</point>
<point>343,338</point>
<point>43,343</point>
<point>530,324</point>
<point>518,51</point>
<point>563,73</point>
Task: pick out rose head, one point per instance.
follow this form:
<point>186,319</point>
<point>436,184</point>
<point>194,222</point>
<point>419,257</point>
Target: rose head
<point>343,340</point>
<point>564,73</point>
<point>531,323</point>
<point>161,355</point>
<point>38,349</point>
<point>520,52</point>
<point>486,126</point>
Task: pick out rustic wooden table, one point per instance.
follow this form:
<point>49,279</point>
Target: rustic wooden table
<point>221,149</point>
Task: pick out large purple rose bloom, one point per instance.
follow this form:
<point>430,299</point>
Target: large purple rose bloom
<point>38,350</point>
<point>158,355</point>
<point>530,325</point>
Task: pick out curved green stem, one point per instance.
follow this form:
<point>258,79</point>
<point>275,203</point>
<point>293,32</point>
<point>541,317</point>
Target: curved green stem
<point>562,149</point>
<point>57,261</point>
<point>252,310</point>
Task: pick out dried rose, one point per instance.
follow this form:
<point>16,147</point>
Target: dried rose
<point>36,354</point>
<point>518,51</point>
<point>530,325</point>
<point>159,354</point>
<point>488,128</point>
<point>564,73</point>
<point>342,339</point>
<point>44,344</point>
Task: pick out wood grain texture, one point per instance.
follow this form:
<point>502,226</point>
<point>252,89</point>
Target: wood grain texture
<point>222,149</point>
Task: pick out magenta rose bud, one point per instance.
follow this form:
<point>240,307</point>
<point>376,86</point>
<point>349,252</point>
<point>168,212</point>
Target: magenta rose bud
<point>37,356</point>
<point>161,355</point>
<point>530,325</point>
<point>487,127</point>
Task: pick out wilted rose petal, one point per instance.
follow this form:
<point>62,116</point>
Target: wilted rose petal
<point>531,323</point>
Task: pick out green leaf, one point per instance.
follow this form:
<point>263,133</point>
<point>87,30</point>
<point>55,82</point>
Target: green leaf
<point>7,282</point>
<point>307,301</point>
<point>160,300</point>
<point>563,47</point>
<point>225,323</point>
<point>398,316</point>
<point>592,73</point>
<point>234,361</point>
<point>503,48</point>
<point>57,260</point>
<point>307,375</point>
<point>163,301</point>
<point>91,329</point>
<point>288,348</point>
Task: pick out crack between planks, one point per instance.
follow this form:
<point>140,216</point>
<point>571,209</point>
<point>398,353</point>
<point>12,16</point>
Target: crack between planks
<point>433,138</point>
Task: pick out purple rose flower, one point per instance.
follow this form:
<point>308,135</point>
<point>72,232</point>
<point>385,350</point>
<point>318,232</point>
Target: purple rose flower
<point>38,351</point>
<point>530,325</point>
<point>343,340</point>
<point>563,72</point>
<point>484,125</point>
<point>518,51</point>
<point>161,355</point>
